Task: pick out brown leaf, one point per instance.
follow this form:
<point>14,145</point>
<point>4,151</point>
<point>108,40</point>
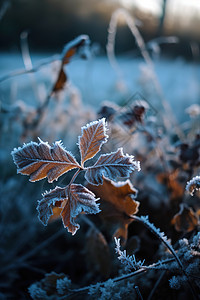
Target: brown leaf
<point>135,114</point>
<point>117,203</point>
<point>60,82</point>
<point>92,138</point>
<point>193,185</point>
<point>72,47</point>
<point>112,165</point>
<point>98,252</point>
<point>51,200</point>
<point>80,199</point>
<point>171,181</point>
<point>41,160</point>
<point>68,52</point>
<point>185,220</point>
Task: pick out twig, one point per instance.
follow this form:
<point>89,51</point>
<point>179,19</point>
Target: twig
<point>31,70</point>
<point>145,54</point>
<point>117,279</point>
<point>156,285</point>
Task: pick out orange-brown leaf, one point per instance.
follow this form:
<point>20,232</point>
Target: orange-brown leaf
<point>72,47</point>
<point>80,199</point>
<point>185,220</point>
<point>92,138</point>
<point>41,160</point>
<point>51,200</point>
<point>60,82</point>
<point>117,203</point>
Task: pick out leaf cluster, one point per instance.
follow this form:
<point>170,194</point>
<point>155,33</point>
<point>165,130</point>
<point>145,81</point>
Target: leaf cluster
<point>40,160</point>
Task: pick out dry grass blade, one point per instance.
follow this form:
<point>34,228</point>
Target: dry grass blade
<point>92,138</point>
<point>41,160</point>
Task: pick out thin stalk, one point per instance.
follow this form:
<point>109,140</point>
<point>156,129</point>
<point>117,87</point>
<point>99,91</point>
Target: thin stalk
<point>85,289</point>
<point>171,249</point>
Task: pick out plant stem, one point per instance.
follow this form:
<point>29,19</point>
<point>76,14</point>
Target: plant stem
<point>171,249</point>
<point>117,279</point>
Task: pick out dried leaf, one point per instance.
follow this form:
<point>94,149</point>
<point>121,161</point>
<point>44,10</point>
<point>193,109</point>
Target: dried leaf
<point>171,181</point>
<point>72,47</point>
<point>92,138</point>
<point>117,203</point>
<point>135,114</point>
<point>98,252</point>
<point>185,220</point>
<point>50,200</point>
<point>68,52</point>
<point>80,199</point>
<point>60,82</point>
<point>193,185</point>
<point>41,160</point>
<point>112,165</point>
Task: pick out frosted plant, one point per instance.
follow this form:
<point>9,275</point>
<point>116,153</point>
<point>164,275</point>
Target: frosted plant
<point>127,260</point>
<point>40,160</point>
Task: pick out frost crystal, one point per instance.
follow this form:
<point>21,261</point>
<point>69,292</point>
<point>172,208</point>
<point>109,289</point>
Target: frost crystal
<point>193,185</point>
<point>127,260</point>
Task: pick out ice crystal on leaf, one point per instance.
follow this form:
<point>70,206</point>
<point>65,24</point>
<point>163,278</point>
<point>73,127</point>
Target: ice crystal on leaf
<point>127,260</point>
<point>112,165</point>
<point>92,138</point>
<point>40,160</point>
<point>193,185</point>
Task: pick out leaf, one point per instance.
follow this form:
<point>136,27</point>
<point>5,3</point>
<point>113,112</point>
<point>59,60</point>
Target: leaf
<point>170,180</point>
<point>117,204</point>
<point>92,138</point>
<point>80,199</point>
<point>112,165</point>
<point>50,200</point>
<point>185,220</point>
<point>60,82</point>
<point>72,47</point>
<point>41,160</point>
<point>193,185</point>
<point>68,52</point>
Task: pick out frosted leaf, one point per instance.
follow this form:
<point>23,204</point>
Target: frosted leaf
<point>112,165</point>
<point>193,185</point>
<point>50,199</point>
<point>40,160</point>
<point>80,199</point>
<point>185,220</point>
<point>92,138</point>
<point>71,48</point>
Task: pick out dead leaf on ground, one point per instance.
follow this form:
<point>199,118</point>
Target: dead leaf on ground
<point>185,220</point>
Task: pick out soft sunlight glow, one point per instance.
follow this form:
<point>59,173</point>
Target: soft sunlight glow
<point>150,6</point>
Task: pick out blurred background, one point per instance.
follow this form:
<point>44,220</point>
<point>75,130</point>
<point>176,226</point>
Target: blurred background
<point>51,23</point>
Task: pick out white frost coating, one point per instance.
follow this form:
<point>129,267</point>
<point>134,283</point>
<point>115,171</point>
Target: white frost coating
<point>193,185</point>
<point>112,166</point>
<point>88,140</point>
<point>85,127</point>
<point>74,43</point>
